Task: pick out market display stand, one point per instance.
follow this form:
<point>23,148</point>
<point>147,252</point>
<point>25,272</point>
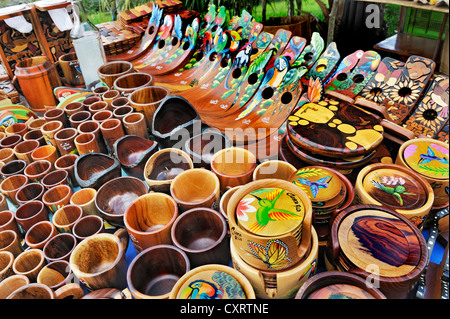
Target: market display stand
<point>406,44</point>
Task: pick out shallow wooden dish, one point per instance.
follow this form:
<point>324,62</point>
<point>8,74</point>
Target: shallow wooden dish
<point>116,195</point>
<point>92,170</point>
<point>162,167</point>
<point>133,152</point>
<point>174,115</point>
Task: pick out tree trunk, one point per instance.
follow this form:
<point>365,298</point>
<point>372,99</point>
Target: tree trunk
<point>263,12</point>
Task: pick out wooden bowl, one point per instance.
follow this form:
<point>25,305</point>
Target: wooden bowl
<point>216,280</point>
<point>338,285</point>
<point>428,158</point>
<point>12,283</point>
<point>133,153</point>
<point>203,146</point>
<point>128,83</point>
<point>110,71</point>
<point>155,270</point>
<point>396,261</point>
<point>55,274</point>
<point>175,117</point>
<point>396,187</point>
<point>281,284</point>
<point>274,169</point>
<point>92,170</point>
<point>33,291</point>
<point>147,99</point>
<point>162,167</point>
<point>115,196</point>
<point>293,238</point>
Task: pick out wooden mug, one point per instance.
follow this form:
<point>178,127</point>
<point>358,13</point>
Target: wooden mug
<point>149,219</point>
<point>135,124</point>
<point>67,163</point>
<point>54,178</point>
<point>57,197</point>
<point>108,268</point>
<point>24,149</point>
<point>37,170</point>
<point>110,71</point>
<point>87,226</point>
<point>79,117</point>
<point>11,185</point>
<point>47,152</point>
<point>29,192</point>
<point>87,143</point>
<point>6,262</point>
<point>65,217</point>
<point>29,263</point>
<point>12,283</point>
<point>49,130</point>
<point>91,126</point>
<point>35,135</point>
<point>8,221</point>
<point>31,213</point>
<point>85,198</point>
<point>59,247</point>
<point>56,114</point>
<point>128,83</point>
<point>12,168</point>
<point>112,130</point>
<point>71,70</point>
<point>65,141</point>
<point>39,234</point>
<point>55,274</point>
<point>155,270</point>
<point>196,187</point>
<point>147,99</point>
<point>10,241</point>
<point>16,128</point>
<point>73,107</point>
<point>10,141</point>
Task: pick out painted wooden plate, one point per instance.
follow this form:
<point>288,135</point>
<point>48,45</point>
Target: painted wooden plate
<point>395,189</point>
<point>428,159</point>
<point>376,239</point>
<point>335,128</point>
<point>270,212</point>
<point>211,284</point>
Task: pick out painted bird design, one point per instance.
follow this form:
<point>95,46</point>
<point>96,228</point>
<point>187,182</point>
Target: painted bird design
<point>397,191</point>
<point>201,289</point>
<point>267,211</point>
<point>430,156</point>
<point>315,185</point>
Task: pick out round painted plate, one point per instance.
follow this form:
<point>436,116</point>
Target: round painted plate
<point>428,159</point>
<point>395,189</point>
<point>211,284</point>
<point>379,242</point>
<point>335,129</point>
<point>320,184</point>
<point>340,291</point>
<point>270,212</point>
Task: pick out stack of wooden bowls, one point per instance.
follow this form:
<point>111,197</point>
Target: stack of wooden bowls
<point>329,191</point>
<point>272,239</point>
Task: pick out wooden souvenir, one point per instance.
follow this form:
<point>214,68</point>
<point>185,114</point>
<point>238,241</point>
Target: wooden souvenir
<point>162,167</point>
<point>174,118</point>
<point>256,249</point>
<point>401,91</point>
<point>133,152</point>
<point>281,284</point>
<point>431,113</point>
<point>116,195</point>
<point>11,185</point>
<point>92,170</point>
<point>325,64</point>
<point>203,146</point>
<point>311,52</point>
<point>395,187</point>
<point>130,82</point>
<point>428,158</point>
<point>147,39</point>
<point>335,128</point>
<point>274,169</point>
<point>6,262</point>
<point>33,291</point>
<point>338,285</point>
<point>110,71</point>
<point>212,282</point>
<point>398,259</point>
<point>117,38</point>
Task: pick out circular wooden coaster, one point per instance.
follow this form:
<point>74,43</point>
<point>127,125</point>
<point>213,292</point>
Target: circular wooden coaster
<point>270,212</point>
<point>335,129</point>
<point>211,284</point>
<point>395,189</point>
<point>428,159</point>
<point>340,291</point>
<point>379,242</point>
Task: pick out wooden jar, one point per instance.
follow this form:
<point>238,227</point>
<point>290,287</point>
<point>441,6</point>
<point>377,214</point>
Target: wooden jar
<point>292,238</point>
<point>395,187</point>
<point>380,245</point>
<point>428,158</point>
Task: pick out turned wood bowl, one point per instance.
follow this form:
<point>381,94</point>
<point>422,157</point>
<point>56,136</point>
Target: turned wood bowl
<point>116,195</point>
<point>203,146</point>
<point>110,71</point>
<point>128,83</point>
<point>133,153</point>
<point>162,167</point>
<point>92,170</point>
<point>174,119</point>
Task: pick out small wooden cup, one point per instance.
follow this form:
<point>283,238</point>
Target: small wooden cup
<point>37,170</point>
<point>49,129</point>
<point>24,149</point>
<point>8,221</point>
<point>7,155</point>
<point>102,116</point>
<point>233,166</point>
<point>30,192</point>
<point>12,168</point>
<point>196,187</point>
<point>57,197</point>
<point>10,186</point>
<point>16,128</point>
<point>110,71</point>
<point>121,101</point>
<point>112,130</point>
<point>3,203</point>
<point>11,284</point>
<point>87,226</point>
<point>32,291</point>
<point>134,124</point>
<point>35,135</point>
<point>39,234</point>
<point>6,262</point>
<point>121,111</point>
<point>29,263</point>
<point>155,270</point>
<point>274,169</point>
<point>147,99</point>
<point>73,107</point>
<point>47,152</point>
<point>87,102</point>
<point>65,217</point>
<point>67,163</point>
<point>110,96</point>
<point>87,143</point>
<point>65,141</point>
<point>85,198</point>
<point>10,141</point>
<point>31,213</point>
<point>56,114</point>
<point>99,261</point>
<point>10,241</point>
<point>36,124</point>
<point>59,247</point>
<point>93,127</point>
<point>149,220</point>
<point>128,83</point>
<point>55,274</point>
<point>99,106</point>
<point>54,178</point>
<point>79,117</point>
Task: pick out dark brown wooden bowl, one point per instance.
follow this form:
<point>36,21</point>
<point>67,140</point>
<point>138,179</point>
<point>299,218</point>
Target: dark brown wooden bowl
<point>116,195</point>
<point>172,116</point>
<point>133,152</point>
<point>92,170</point>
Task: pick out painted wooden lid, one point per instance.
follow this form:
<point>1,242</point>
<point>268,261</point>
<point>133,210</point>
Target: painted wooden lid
<point>395,188</point>
<point>340,291</point>
<point>428,158</point>
<point>211,284</point>
<point>335,129</point>
<point>379,242</point>
<point>320,184</point>
<point>270,212</point>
